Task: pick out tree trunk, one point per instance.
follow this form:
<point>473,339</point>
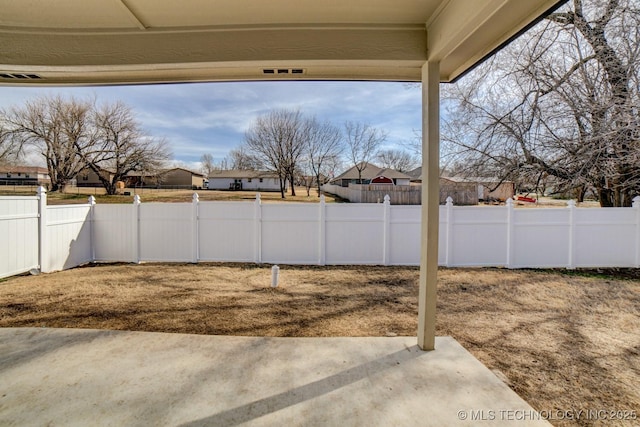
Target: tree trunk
<point>318,182</point>
<point>605,197</point>
<point>293,186</point>
<point>111,188</point>
<point>58,185</point>
<point>282,182</point>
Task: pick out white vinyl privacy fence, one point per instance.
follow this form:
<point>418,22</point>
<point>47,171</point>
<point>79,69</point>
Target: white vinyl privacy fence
<point>50,238</point>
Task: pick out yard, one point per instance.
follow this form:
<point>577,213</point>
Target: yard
<point>76,195</point>
<point>562,340</point>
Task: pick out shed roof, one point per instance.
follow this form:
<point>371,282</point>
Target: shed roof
<point>186,170</point>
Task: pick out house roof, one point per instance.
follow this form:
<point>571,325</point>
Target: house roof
<point>393,174</point>
<point>416,173</point>
<point>370,171</point>
<point>238,174</point>
<point>186,170</point>
<point>23,169</point>
<point>134,41</point>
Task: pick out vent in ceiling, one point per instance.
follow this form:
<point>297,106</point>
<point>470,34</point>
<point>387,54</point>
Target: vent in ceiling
<point>20,76</point>
<point>281,71</point>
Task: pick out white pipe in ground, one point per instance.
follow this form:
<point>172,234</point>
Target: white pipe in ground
<point>275,272</point>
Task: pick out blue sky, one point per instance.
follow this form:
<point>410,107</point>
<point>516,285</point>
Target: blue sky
<point>198,118</point>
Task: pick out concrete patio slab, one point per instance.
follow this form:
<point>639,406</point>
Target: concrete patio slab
<point>88,377</point>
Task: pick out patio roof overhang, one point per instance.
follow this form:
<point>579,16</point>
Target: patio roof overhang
<point>90,42</point>
<point>151,41</point>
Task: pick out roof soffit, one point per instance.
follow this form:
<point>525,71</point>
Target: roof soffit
<point>133,41</point>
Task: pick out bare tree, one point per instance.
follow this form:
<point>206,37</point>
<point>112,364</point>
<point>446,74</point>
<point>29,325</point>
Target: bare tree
<point>399,160</point>
<point>120,146</point>
<point>276,141</point>
<point>241,159</point>
<point>324,145</point>
<point>56,127</point>
<point>10,145</point>
<point>362,142</point>
<point>559,105</point>
<point>207,164</point>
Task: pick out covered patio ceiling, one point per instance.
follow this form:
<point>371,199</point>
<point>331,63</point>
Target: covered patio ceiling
<point>83,42</point>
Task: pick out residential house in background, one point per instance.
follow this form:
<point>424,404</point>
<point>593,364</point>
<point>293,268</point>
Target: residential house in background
<point>176,178</point>
<point>244,180</point>
<point>374,184</point>
<point>88,178</point>
<point>24,175</point>
<point>371,174</point>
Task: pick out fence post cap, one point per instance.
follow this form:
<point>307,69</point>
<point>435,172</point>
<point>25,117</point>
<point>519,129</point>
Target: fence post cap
<point>258,197</point>
<point>449,201</point>
<point>41,190</point>
<point>195,197</point>
<point>136,199</point>
<point>571,203</point>
<point>387,199</point>
<point>322,198</point>
<point>92,200</point>
<point>509,201</point>
<point>636,202</point>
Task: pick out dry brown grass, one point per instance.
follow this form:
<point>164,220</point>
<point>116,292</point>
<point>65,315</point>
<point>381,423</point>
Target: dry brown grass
<point>78,195</point>
<point>563,341</point>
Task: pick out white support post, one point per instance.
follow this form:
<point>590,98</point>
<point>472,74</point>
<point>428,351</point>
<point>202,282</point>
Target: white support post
<point>136,229</point>
<point>571,205</point>
<point>430,205</point>
<point>449,242</point>
<point>92,240</point>
<point>510,248</point>
<point>43,244</point>
<point>322,227</point>
<point>258,230</point>
<point>386,227</point>
<point>195,256</point>
<point>636,206</point>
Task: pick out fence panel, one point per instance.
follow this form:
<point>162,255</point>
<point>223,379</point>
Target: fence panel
<point>68,240</point>
<point>541,237</point>
<point>226,231</point>
<point>354,234</point>
<point>19,234</point>
<point>290,233</point>
<point>605,237</point>
<point>166,232</point>
<point>115,233</point>
<point>404,235</point>
<point>478,236</point>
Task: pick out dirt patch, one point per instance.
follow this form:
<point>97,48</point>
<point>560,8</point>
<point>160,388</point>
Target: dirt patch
<point>562,340</point>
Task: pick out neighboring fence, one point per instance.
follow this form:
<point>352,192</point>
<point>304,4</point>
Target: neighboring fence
<point>301,233</point>
<point>375,193</point>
